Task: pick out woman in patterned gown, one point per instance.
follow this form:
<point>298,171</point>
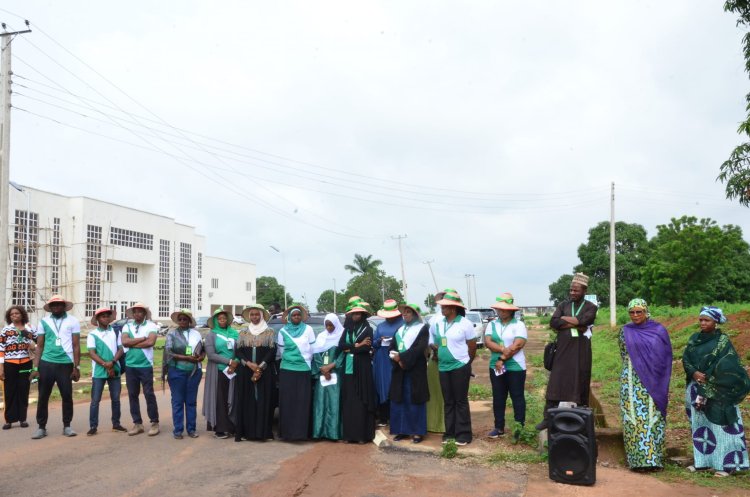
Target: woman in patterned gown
<point>716,383</point>
<point>644,387</point>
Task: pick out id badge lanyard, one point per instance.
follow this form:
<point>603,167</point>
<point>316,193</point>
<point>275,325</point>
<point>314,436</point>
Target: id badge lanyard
<point>574,312</point>
<point>58,325</point>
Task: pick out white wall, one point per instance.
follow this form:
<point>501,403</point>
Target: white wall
<point>233,277</point>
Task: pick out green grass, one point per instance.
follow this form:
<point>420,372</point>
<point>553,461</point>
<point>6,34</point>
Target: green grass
<point>450,449</point>
<point>673,473</point>
<point>663,312</point>
<point>480,392</point>
<point>516,456</point>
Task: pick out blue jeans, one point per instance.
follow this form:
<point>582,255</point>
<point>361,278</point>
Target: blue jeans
<point>97,388</point>
<point>184,389</point>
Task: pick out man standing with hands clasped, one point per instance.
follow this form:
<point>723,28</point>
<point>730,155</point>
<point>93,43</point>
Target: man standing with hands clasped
<point>56,361</point>
<point>105,349</point>
<point>138,339</point>
<point>570,378</point>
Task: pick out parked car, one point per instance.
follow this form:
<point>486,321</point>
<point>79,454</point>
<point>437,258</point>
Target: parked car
<point>374,321</point>
<point>119,324</point>
<point>488,313</point>
<point>238,320</point>
<point>202,321</point>
<point>316,322</point>
<point>476,319</point>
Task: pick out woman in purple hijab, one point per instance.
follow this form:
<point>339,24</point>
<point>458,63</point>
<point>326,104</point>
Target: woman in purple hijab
<point>644,387</point>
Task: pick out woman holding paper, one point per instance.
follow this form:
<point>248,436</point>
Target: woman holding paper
<point>326,371</point>
<point>358,399</point>
<point>255,383</point>
<point>505,338</point>
<point>217,389</point>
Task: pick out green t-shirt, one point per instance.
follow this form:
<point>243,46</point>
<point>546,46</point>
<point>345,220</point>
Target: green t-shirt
<point>58,338</point>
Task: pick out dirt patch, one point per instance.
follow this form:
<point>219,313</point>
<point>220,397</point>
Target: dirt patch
<point>338,469</point>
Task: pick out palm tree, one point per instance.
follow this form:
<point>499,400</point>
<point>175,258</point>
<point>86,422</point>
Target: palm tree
<point>363,264</point>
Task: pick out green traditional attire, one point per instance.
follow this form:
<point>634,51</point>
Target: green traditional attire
<point>327,399</point>
<point>713,406</point>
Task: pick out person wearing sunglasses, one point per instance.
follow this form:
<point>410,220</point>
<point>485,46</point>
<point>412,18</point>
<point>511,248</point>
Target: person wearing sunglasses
<point>646,353</point>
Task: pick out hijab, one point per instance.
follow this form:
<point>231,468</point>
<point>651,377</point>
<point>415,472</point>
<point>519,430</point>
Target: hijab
<point>257,329</point>
<point>326,340</point>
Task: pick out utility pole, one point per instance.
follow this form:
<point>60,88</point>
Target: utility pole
<point>429,265</point>
<point>612,278</point>
<point>468,288</point>
<point>6,38</point>
<point>403,274</point>
<point>476,297</point>
<point>334,295</point>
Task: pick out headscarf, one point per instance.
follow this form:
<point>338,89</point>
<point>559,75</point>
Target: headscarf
<point>326,340</point>
<point>714,313</point>
<point>227,332</point>
<point>257,329</point>
<point>650,352</point>
<point>294,330</point>
<point>639,304</point>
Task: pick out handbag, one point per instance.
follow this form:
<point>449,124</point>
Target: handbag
<point>549,355</point>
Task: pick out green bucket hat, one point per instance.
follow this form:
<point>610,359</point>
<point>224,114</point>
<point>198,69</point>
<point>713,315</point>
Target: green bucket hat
<point>212,320</point>
<point>186,312</point>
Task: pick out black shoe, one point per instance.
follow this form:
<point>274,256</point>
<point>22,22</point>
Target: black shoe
<point>417,439</point>
<point>542,426</point>
<point>399,437</point>
<point>7,426</point>
<point>221,434</point>
<point>91,432</point>
<point>119,428</point>
<point>24,424</point>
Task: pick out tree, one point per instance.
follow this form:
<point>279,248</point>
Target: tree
<point>374,287</point>
<point>270,291</point>
<point>696,261</point>
<point>429,301</point>
<point>363,264</point>
<point>325,302</point>
<point>631,252</point>
<point>559,290</point>
<point>735,171</point>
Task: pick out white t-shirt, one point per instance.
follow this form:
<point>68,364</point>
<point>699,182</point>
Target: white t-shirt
<point>508,333</point>
<point>457,333</point>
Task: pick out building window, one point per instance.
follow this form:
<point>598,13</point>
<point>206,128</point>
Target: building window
<point>25,241</point>
<point>131,274</point>
<point>214,283</point>
<point>54,278</point>
<point>93,268</point>
<point>200,296</point>
<point>199,269</point>
<point>164,278</point>
<point>130,238</point>
<point>186,275</point>
<point>123,309</point>
<point>109,272</point>
<point>248,286</point>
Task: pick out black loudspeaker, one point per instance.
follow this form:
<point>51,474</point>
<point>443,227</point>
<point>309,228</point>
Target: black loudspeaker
<point>572,446</point>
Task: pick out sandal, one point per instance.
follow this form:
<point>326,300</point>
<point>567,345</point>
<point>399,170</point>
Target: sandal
<point>399,437</point>
<point>417,439</point>
<point>721,474</point>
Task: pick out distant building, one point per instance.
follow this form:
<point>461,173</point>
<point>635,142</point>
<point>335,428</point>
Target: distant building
<point>97,253</point>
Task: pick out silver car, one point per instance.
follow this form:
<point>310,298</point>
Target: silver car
<point>476,319</point>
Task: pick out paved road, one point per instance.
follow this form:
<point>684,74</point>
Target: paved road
<point>116,465</point>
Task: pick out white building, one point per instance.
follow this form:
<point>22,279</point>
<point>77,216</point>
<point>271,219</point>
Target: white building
<point>97,254</point>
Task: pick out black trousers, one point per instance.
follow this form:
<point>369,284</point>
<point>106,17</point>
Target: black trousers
<point>134,378</point>
<point>455,387</point>
<point>16,391</point>
<point>51,374</point>
<point>223,422</point>
<point>512,382</point>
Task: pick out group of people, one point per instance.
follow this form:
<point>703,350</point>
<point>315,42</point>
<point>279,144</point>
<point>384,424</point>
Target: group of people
<point>406,373</point>
<point>716,382</point>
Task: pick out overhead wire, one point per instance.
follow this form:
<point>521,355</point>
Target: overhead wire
<point>225,183</point>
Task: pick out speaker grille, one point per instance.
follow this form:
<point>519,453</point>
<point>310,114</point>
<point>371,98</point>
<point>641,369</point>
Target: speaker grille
<point>571,457</point>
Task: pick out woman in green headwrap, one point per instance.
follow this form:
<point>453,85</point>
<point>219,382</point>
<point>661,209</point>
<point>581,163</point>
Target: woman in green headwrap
<point>716,383</point>
<point>220,345</point>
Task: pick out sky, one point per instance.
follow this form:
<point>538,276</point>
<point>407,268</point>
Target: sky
<point>487,132</point>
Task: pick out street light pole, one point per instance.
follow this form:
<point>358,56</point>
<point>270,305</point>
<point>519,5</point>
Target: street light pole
<point>283,273</point>
<point>334,295</point>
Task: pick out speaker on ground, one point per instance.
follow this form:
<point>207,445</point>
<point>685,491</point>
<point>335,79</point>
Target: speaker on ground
<point>572,446</point>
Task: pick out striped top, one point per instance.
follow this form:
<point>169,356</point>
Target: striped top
<point>14,347</point>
